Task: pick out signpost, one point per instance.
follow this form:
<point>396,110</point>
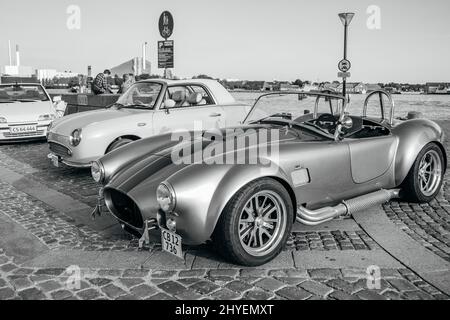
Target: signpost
<point>345,65</point>
<point>166,47</point>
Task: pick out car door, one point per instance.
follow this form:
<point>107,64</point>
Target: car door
<point>186,116</point>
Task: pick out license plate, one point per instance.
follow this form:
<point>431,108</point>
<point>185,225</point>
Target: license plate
<point>23,129</point>
<point>171,243</point>
<point>54,159</point>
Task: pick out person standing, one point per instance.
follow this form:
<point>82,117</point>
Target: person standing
<point>128,82</point>
<point>100,85</point>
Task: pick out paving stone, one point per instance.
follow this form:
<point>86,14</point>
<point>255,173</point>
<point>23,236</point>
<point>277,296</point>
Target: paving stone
<point>23,271</point>
<point>370,295</point>
<point>31,294</point>
<point>50,285</point>
<point>21,283</point>
<point>61,295</point>
<point>143,291</point>
<point>402,285</point>
<point>6,293</point>
<point>50,271</point>
<point>161,296</point>
<point>256,294</point>
<point>238,286</point>
<point>204,287</point>
<point>100,281</point>
<point>8,267</point>
<point>340,284</point>
<point>324,273</point>
<point>188,281</point>
<point>291,281</point>
<point>316,288</point>
<point>293,293</point>
<point>2,283</point>
<point>89,294</point>
<point>252,273</point>
<point>418,295</point>
<point>163,274</point>
<point>269,284</point>
<point>223,273</point>
<point>225,294</point>
<point>109,273</point>
<point>172,287</point>
<point>341,295</point>
<point>112,291</point>
<point>135,273</point>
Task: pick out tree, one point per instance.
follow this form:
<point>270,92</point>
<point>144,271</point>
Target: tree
<point>299,83</point>
<point>202,76</point>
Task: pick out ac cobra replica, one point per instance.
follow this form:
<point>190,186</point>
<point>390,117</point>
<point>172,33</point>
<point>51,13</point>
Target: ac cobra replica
<point>328,164</point>
<point>148,108</point>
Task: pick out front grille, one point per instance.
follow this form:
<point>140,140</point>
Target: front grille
<point>124,208</point>
<point>23,134</point>
<point>59,150</point>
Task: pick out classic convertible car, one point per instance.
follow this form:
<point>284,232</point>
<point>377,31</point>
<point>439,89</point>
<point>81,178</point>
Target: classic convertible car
<point>26,111</point>
<point>328,163</point>
<point>148,108</point>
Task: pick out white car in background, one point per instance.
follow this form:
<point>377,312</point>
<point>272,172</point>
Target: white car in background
<point>26,112</point>
<point>147,108</point>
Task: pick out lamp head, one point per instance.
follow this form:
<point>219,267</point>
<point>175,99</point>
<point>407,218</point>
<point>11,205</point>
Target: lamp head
<point>346,18</point>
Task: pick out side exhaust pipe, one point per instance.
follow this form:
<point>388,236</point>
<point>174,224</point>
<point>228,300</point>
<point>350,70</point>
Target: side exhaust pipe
<point>316,217</point>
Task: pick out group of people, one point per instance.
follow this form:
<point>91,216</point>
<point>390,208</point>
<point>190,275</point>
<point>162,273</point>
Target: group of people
<point>103,82</point>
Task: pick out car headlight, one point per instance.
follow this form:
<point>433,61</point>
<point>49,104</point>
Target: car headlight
<point>165,195</point>
<point>46,117</point>
<point>75,137</point>
<point>98,171</point>
<point>3,120</point>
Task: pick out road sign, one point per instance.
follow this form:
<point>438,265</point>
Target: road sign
<point>344,74</point>
<point>166,24</point>
<point>344,65</point>
<point>165,54</point>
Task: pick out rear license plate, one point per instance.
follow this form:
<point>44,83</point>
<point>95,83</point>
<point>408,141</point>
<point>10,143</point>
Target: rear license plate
<point>23,129</point>
<point>171,243</point>
<point>54,159</point>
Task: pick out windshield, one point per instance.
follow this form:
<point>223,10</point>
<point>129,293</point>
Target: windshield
<point>141,95</point>
<point>298,107</point>
<point>22,93</point>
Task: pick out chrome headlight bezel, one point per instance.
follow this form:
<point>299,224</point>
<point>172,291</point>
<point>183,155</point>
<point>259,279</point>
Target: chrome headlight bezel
<point>47,117</point>
<point>98,171</point>
<point>75,137</point>
<point>166,197</point>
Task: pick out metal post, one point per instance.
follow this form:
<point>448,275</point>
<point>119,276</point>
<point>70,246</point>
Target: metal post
<point>344,81</point>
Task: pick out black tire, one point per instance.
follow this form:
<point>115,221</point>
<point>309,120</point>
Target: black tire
<point>411,187</point>
<point>118,143</point>
<point>226,236</point>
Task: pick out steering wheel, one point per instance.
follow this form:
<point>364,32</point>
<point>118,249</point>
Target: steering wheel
<point>327,121</point>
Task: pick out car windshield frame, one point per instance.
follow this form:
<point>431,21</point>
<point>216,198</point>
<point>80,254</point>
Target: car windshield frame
<point>12,99</point>
<point>284,93</point>
<point>151,106</point>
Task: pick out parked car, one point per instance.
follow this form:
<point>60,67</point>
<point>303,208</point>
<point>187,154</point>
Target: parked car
<point>148,108</point>
<point>26,111</point>
<point>329,164</point>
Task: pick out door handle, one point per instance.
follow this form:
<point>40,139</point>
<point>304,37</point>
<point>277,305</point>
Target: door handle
<point>215,115</point>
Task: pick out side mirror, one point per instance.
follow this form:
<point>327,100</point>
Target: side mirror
<point>169,104</point>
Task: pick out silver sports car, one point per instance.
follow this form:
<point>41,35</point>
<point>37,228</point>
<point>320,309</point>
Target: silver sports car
<point>305,157</point>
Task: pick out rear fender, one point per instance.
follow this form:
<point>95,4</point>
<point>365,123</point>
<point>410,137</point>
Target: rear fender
<point>413,136</point>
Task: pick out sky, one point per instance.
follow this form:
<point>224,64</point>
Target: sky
<point>238,39</point>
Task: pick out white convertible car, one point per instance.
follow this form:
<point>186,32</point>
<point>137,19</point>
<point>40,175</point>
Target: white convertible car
<point>26,112</point>
<point>147,108</point>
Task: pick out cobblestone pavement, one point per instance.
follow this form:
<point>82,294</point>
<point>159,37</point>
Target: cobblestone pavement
<point>428,224</point>
<point>17,282</point>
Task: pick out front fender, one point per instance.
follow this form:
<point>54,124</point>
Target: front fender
<point>414,135</point>
<point>212,187</point>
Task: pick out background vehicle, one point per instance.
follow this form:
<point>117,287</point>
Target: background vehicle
<point>328,164</point>
<point>148,108</point>
<point>26,111</point>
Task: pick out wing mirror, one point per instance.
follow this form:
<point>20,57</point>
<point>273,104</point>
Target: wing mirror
<point>169,104</point>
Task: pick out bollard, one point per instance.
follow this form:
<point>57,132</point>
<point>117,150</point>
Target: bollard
<point>415,115</point>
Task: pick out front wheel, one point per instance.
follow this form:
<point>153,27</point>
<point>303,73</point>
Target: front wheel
<point>425,179</point>
<point>255,224</point>
<point>118,143</point>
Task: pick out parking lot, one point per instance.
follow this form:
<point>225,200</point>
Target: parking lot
<point>46,227</point>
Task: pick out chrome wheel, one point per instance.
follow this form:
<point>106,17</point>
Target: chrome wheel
<point>430,173</point>
<point>262,223</point>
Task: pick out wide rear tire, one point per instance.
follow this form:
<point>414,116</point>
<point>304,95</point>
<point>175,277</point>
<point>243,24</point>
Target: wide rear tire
<point>255,224</point>
<point>425,179</point>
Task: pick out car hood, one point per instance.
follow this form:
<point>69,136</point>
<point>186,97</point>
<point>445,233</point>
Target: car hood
<point>67,124</point>
<point>150,165</point>
<point>17,112</point>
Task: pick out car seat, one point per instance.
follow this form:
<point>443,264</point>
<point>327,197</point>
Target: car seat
<point>180,99</point>
<point>196,99</point>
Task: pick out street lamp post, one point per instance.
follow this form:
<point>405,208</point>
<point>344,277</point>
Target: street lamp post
<point>345,65</point>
